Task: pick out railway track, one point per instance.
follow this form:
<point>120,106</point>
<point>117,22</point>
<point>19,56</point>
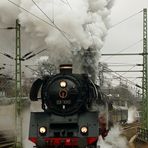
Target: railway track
<point>6,139</point>
<point>129,130</point>
<point>131,126</point>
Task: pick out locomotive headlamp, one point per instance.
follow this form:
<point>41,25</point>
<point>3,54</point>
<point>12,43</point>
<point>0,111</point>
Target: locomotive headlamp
<point>63,84</point>
<point>84,130</point>
<point>42,130</point>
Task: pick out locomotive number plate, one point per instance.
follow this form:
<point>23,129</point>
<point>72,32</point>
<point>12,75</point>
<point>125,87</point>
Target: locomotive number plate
<point>59,102</point>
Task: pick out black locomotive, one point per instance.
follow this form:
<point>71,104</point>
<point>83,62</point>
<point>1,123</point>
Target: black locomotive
<point>69,118</point>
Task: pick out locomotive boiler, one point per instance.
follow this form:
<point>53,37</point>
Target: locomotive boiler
<point>68,118</point>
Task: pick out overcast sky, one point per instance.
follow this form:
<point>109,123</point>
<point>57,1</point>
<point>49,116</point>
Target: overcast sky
<point>125,34</point>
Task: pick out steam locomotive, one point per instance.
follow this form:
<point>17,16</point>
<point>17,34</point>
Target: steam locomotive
<point>69,118</point>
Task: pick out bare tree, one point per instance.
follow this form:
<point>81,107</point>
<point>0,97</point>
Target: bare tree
<point>45,68</point>
<point>7,86</point>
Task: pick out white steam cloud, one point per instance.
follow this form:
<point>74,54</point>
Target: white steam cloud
<point>132,114</point>
<point>114,139</point>
<point>74,33</point>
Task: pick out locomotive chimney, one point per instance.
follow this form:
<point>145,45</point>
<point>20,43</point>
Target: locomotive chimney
<point>66,69</point>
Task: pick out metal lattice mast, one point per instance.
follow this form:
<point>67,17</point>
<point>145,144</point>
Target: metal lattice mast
<point>145,73</point>
<point>18,87</point>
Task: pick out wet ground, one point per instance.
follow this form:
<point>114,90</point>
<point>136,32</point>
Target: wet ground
<point>130,131</point>
<point>140,144</point>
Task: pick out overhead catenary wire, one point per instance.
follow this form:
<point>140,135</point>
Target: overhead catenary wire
<point>124,20</point>
<point>123,71</point>
<point>68,4</point>
<point>128,70</point>
<point>27,54</point>
<point>30,13</point>
<point>4,64</point>
<point>33,70</point>
<point>122,77</point>
<point>25,57</point>
<point>53,11</point>
<point>118,64</point>
<point>7,28</point>
<point>122,86</point>
<point>129,46</point>
<point>2,68</point>
<point>124,54</point>
<point>55,26</point>
<point>8,0</point>
<point>126,86</point>
<point>135,77</point>
<point>31,65</point>
<point>30,54</point>
<point>132,45</point>
<point>7,55</point>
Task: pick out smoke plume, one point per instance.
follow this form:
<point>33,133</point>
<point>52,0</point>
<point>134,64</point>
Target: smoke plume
<point>73,31</point>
